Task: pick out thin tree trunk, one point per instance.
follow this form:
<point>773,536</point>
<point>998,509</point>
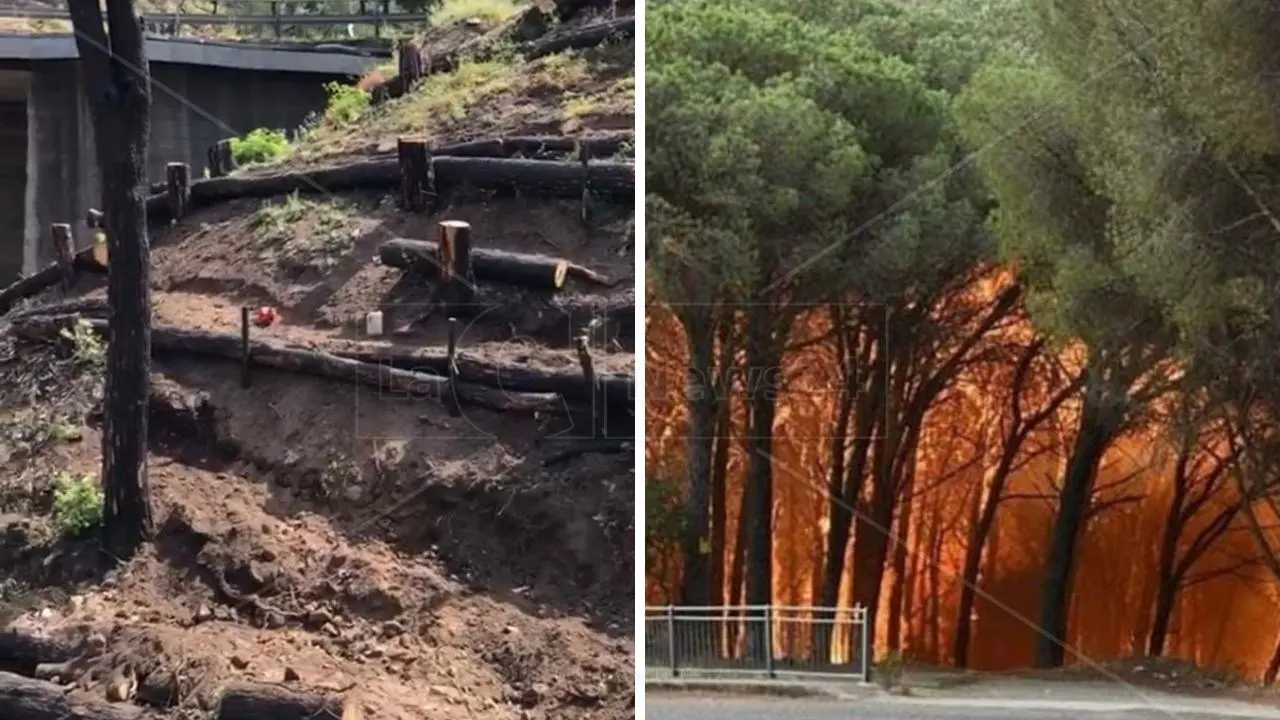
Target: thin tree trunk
<point>118,88</point>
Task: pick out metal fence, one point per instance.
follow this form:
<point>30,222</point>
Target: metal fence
<point>278,15</point>
<point>725,640</point>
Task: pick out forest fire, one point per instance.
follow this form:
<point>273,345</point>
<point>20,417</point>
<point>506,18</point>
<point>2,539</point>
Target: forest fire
<point>1128,599</point>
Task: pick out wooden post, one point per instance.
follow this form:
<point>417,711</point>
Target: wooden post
<point>94,219</point>
<point>412,67</point>
<point>178,177</point>
<point>589,376</point>
<point>584,157</point>
<point>244,347</point>
<point>64,251</point>
<point>457,277</point>
<point>417,178</point>
<point>451,396</point>
<point>221,160</point>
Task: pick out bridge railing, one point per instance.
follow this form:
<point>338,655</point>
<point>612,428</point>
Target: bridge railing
<point>756,640</point>
<point>278,15</point>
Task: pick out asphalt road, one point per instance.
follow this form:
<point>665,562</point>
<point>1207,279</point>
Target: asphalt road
<point>674,707</point>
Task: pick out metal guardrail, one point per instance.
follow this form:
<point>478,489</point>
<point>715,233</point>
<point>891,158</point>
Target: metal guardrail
<point>278,16</point>
<point>731,640</point>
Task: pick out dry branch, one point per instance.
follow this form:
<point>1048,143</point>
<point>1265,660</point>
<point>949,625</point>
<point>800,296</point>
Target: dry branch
<point>35,284</point>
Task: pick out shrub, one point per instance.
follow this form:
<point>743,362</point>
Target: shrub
<point>86,346</point>
<point>77,504</point>
<point>346,103</point>
<point>259,146</point>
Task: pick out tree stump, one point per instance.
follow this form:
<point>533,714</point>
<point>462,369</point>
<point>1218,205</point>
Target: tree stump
<point>457,277</point>
<point>417,175</point>
<point>221,160</point>
<point>64,253</point>
<point>178,189</point>
<point>412,68</point>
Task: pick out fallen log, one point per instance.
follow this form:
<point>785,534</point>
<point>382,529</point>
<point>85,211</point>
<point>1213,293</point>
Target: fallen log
<point>390,382</point>
<point>514,176</point>
<point>24,698</point>
<point>582,38</point>
<point>618,388</point>
<point>537,272</point>
<point>43,280</point>
<point>252,701</point>
<point>521,33</point>
<point>557,320</point>
<point>535,146</point>
<point>24,651</point>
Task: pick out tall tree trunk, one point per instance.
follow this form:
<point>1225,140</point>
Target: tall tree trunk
<point>973,553</point>
<point>117,84</point>
<point>846,486</point>
<point>738,570</point>
<point>1166,583</point>
<point>934,604</point>
<point>696,588</point>
<point>1097,428</point>
<point>720,468</point>
<point>901,532</point>
<point>915,589</point>
<point>719,515</point>
<point>763,404</point>
<point>872,540</point>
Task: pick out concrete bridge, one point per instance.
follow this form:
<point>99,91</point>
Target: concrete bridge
<point>202,92</point>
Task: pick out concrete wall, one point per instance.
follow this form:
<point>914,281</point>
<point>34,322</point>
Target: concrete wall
<point>13,184</point>
<point>192,108</point>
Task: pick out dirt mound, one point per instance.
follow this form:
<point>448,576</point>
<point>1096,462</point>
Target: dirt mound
<point>437,573</point>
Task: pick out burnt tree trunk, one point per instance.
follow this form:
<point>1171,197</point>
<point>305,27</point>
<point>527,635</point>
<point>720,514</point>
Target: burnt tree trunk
<point>117,83</point>
<point>1097,428</point>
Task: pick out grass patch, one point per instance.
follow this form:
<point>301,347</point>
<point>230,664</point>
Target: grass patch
<point>617,99</point>
<point>488,12</point>
<point>301,233</point>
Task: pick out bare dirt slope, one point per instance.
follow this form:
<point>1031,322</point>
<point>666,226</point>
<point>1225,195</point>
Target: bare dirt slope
<point>323,536</point>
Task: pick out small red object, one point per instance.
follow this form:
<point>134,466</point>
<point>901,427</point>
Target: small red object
<point>264,316</point>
